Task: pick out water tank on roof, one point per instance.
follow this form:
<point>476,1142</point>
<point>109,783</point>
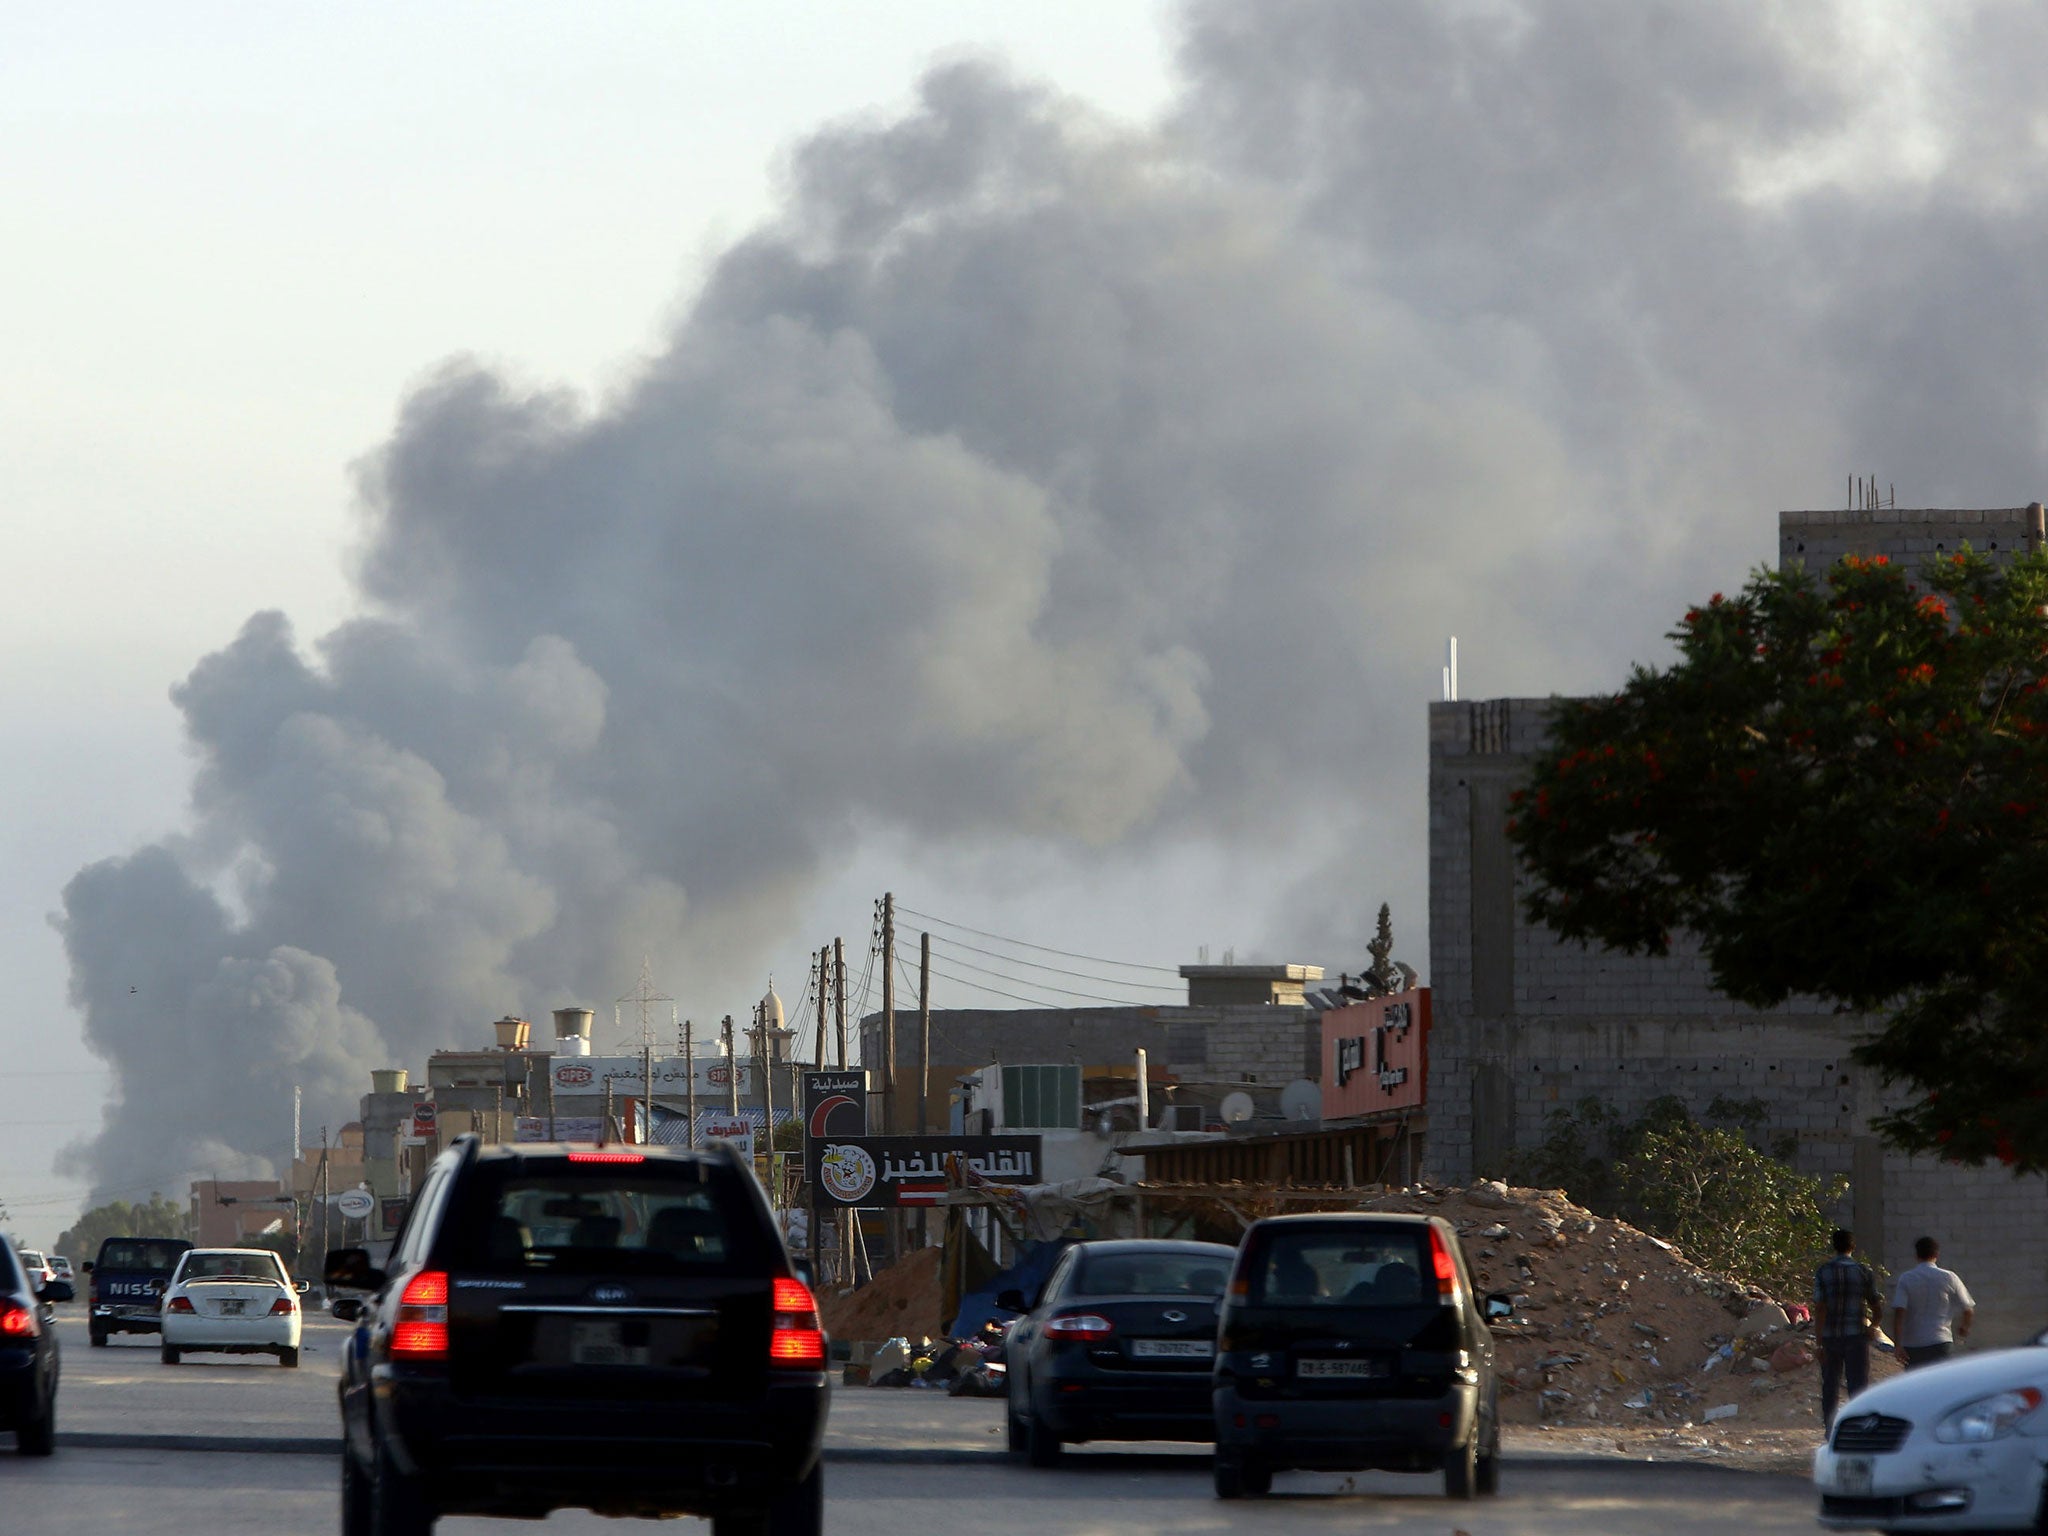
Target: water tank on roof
<point>572,1031</point>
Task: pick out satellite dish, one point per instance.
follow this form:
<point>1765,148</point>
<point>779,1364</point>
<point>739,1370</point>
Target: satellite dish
<point>1302,1100</point>
<point>1237,1107</point>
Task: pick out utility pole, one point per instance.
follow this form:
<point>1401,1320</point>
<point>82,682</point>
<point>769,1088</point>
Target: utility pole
<point>924,1029</point>
<point>732,1069</point>
<point>839,995</point>
<point>889,1105</point>
<point>497,1112</point>
<point>762,1047</point>
<point>647,1090</point>
<point>298,1149</point>
<point>604,1132</point>
<point>551,1099</point>
<point>322,1181</point>
<point>690,1091</point>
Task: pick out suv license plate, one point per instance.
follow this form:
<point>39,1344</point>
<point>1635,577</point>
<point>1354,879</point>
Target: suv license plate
<point>1173,1349</point>
<point>1342,1370</point>
<point>599,1343</point>
<point>1852,1476</point>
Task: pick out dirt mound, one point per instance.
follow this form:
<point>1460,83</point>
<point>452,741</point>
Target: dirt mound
<point>901,1301</point>
<point>1617,1327</point>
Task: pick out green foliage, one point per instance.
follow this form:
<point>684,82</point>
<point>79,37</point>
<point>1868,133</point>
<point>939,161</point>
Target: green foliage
<point>789,1136</point>
<point>1727,1203</point>
<point>154,1217</point>
<point>1840,789</point>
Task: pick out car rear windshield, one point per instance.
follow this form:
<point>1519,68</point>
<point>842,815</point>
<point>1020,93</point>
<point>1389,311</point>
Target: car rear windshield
<point>141,1253</point>
<point>650,1219</point>
<point>1352,1267</point>
<point>231,1266</point>
<point>1153,1274</point>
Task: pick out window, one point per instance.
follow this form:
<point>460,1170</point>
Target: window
<point>1042,1098</point>
<point>232,1266</point>
<point>141,1253</point>
<point>1322,1267</point>
<point>649,1222</point>
<point>1154,1274</point>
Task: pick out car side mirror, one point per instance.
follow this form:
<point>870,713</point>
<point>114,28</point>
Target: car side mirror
<point>1012,1301</point>
<point>56,1290</point>
<point>348,1309</point>
<point>350,1269</point>
<point>302,1286</point>
<point>1499,1305</point>
<point>86,1266</point>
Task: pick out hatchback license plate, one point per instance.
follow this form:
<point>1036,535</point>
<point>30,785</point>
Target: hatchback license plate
<point>1852,1476</point>
<point>1343,1370</point>
<point>1173,1349</point>
<point>600,1343</point>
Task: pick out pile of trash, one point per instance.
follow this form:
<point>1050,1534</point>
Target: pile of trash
<point>903,1301</point>
<point>1615,1327</point>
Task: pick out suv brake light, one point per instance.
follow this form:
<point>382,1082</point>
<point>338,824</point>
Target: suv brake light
<point>796,1339</point>
<point>1079,1325</point>
<point>607,1157</point>
<point>421,1332</point>
<point>17,1322</point>
<point>1440,1260</point>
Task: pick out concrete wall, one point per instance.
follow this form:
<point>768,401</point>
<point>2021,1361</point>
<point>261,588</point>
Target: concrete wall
<point>1524,1025</point>
<point>1905,534</point>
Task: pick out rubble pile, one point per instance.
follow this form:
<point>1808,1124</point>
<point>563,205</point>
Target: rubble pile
<point>1614,1327</point>
<point>902,1301</point>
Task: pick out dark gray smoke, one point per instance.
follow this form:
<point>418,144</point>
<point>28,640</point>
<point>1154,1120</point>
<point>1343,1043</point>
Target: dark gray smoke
<point>1034,479</point>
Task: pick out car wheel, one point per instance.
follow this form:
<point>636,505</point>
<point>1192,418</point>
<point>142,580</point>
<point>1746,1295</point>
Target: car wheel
<point>168,1355</point>
<point>800,1511</point>
<point>355,1498</point>
<point>1042,1447</point>
<point>396,1507</point>
<point>1013,1429</point>
<point>288,1357</point>
<point>1488,1479</point>
<point>38,1436</point>
<point>1461,1470</point>
<point>98,1337</point>
<point>1229,1479</point>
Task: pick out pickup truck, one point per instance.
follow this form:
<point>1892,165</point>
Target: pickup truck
<point>125,1287</point>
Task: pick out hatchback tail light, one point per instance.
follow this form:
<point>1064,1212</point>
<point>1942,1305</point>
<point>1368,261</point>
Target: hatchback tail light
<point>1440,1260</point>
<point>178,1304</point>
<point>284,1306</point>
<point>796,1339</point>
<point>17,1321</point>
<point>1079,1325</point>
<point>421,1331</point>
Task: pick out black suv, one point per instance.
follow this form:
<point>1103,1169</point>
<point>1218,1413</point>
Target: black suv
<point>1350,1342</point>
<point>28,1353</point>
<point>615,1329</point>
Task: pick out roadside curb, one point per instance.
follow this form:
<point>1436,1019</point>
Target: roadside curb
<point>855,1455</point>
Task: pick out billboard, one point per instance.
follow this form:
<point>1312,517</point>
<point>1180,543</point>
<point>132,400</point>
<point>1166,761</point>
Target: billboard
<point>737,1129</point>
<point>911,1170</point>
<point>573,1075</point>
<point>567,1128</point>
<point>1376,1055</point>
<point>423,1119</point>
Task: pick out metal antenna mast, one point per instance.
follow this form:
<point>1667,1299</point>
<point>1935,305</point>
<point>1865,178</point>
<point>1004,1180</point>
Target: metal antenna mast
<point>644,998</point>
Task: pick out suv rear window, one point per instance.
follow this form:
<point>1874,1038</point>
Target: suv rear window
<point>141,1253</point>
<point>651,1219</point>
<point>1355,1267</point>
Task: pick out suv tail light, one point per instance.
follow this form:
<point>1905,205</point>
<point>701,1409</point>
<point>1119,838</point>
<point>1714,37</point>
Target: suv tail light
<point>1440,1260</point>
<point>178,1304</point>
<point>795,1339</point>
<point>1079,1325</point>
<point>17,1321</point>
<point>421,1332</point>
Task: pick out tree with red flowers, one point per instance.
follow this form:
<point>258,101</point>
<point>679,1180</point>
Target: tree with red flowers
<point>1840,789</point>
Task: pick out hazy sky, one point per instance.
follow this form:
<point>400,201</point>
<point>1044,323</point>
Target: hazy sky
<point>496,494</point>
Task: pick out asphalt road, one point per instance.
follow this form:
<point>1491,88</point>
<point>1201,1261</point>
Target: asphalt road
<point>898,1462</point>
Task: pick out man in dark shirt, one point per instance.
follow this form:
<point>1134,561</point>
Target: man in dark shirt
<point>1846,1308</point>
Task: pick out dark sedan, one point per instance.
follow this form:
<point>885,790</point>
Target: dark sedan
<point>1119,1345</point>
<point>28,1353</point>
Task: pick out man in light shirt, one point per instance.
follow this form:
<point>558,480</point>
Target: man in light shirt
<point>1931,1308</point>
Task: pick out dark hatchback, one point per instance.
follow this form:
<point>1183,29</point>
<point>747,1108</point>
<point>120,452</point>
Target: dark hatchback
<point>566,1327</point>
<point>1351,1342</point>
<point>1119,1345</point>
<point>29,1359</point>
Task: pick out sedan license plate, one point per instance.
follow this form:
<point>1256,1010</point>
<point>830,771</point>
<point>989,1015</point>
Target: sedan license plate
<point>1173,1349</point>
<point>1339,1370</point>
<point>1852,1476</point>
<point>601,1343</point>
<point>232,1306</point>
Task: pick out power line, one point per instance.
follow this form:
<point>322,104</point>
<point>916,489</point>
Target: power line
<point>1039,965</point>
<point>1044,949</point>
<point>1046,986</point>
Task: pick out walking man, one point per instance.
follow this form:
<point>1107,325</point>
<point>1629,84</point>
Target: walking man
<point>1846,1308</point>
<point>1931,1308</point>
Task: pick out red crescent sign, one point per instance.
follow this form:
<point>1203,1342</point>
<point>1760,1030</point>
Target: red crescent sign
<point>823,1113</point>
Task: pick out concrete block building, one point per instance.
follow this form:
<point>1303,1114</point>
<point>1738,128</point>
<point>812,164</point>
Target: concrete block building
<point>1526,1025</point>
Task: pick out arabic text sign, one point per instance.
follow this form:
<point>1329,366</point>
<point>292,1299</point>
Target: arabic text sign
<point>573,1075</point>
<point>737,1129</point>
<point>911,1170</point>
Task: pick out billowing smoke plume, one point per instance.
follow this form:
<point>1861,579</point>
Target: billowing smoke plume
<point>1038,478</point>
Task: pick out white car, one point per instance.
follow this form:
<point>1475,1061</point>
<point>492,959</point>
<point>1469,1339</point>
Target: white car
<point>62,1267</point>
<point>1958,1446</point>
<point>236,1301</point>
<point>38,1267</point>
